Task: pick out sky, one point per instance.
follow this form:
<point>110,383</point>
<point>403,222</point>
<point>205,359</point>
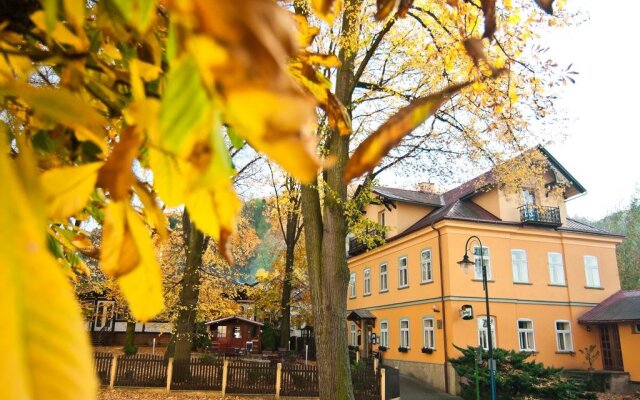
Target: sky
<point>602,145</point>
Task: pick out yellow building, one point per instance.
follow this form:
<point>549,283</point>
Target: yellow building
<point>545,270</point>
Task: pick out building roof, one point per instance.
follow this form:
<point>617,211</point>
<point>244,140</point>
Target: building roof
<point>360,314</point>
<point>622,306</point>
<point>231,319</point>
<point>409,196</point>
<point>577,226</point>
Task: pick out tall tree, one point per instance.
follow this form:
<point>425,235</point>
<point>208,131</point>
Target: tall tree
<point>287,206</point>
<point>393,76</point>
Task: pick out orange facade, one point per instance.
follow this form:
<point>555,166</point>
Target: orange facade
<point>542,279</point>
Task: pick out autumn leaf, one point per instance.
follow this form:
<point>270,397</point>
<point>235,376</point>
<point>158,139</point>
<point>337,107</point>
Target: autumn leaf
<point>384,8</point>
<point>142,287</point>
<point>67,189</point>
<point>116,175</point>
<point>277,124</point>
<point>389,134</point>
<point>119,254</point>
<point>475,49</point>
<point>45,332</point>
<point>62,106</point>
<point>169,177</point>
<point>326,9</point>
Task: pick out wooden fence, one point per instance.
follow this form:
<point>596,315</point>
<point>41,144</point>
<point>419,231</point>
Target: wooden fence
<point>141,370</point>
<point>299,380</point>
<point>237,377</point>
<point>197,374</point>
<point>103,367</point>
<point>251,377</point>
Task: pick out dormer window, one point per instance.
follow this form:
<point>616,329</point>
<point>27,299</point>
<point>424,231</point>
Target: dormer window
<point>381,218</point>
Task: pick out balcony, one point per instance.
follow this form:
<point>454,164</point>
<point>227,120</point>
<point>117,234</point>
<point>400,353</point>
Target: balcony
<point>357,247</point>
<point>540,215</point>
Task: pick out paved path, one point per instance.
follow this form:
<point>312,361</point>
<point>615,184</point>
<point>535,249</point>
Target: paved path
<point>411,389</point>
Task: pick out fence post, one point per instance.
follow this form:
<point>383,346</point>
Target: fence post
<point>225,367</point>
<point>112,372</point>
<point>357,356</point>
<point>383,384</point>
<point>169,373</point>
<point>375,364</point>
<point>278,379</point>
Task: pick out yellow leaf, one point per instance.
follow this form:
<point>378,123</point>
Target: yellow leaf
<point>169,177</point>
<point>154,216</point>
<point>67,189</point>
<point>111,51</point>
<point>142,287</point>
<point>278,124</point>
<point>48,354</point>
<point>116,175</point>
<point>62,106</point>
<point>119,254</point>
<point>60,32</point>
<point>326,9</point>
<point>390,133</point>
<point>74,10</point>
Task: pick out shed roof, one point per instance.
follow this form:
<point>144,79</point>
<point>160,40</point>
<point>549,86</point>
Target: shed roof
<point>360,314</point>
<point>622,306</point>
<point>222,321</point>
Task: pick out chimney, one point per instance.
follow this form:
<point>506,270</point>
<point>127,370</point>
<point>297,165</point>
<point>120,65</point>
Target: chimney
<point>426,187</point>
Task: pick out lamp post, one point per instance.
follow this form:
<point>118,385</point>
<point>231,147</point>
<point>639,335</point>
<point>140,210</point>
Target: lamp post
<point>465,263</point>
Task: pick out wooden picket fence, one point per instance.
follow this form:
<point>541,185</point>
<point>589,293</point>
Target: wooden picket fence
<point>248,377</point>
<point>237,377</point>
<point>299,380</point>
<point>197,374</point>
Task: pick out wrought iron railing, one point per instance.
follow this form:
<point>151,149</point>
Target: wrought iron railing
<point>540,215</point>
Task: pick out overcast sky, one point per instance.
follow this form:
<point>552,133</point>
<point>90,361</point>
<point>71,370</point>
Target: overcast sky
<point>602,146</point>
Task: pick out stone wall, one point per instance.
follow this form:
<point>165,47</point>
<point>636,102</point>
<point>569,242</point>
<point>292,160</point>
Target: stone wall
<point>431,374</point>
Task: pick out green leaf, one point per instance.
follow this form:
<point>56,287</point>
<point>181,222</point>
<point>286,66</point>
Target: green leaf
<point>184,104</point>
<point>236,141</point>
<point>51,13</point>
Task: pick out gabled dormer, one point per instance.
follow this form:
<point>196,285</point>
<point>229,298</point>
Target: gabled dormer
<point>539,202</point>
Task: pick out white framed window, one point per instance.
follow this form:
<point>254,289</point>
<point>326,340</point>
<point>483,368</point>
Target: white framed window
<point>384,273</point>
<point>384,334</point>
<point>563,336</point>
<point>478,267</point>
<point>636,328</point>
<point>526,339</point>
<point>519,265</point>
<point>482,332</point>
<point>352,285</point>
<point>222,331</point>
<point>426,267</point>
<point>367,281</point>
<point>556,268</point>
<point>403,272</point>
<point>428,333</point>
<point>353,336</point>
<point>404,333</point>
<point>591,271</point>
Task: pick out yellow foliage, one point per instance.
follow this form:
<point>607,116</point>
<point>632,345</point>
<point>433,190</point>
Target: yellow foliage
<point>67,189</point>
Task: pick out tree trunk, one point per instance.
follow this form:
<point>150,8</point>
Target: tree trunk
<point>285,303</point>
<point>325,240</point>
<point>184,332</point>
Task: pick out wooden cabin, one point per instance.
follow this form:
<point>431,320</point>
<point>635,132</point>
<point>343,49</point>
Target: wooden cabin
<point>234,335</point>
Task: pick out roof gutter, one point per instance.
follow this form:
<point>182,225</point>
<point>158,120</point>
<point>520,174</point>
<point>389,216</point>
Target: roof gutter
<point>444,309</point>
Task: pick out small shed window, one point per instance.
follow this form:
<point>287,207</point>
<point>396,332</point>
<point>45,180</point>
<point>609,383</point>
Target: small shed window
<point>236,332</point>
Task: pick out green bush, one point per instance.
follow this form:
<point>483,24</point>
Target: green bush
<point>516,377</point>
<point>201,339</point>
<point>130,349</point>
<point>268,337</point>
<point>209,359</point>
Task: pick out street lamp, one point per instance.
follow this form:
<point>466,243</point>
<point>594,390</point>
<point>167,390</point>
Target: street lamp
<point>465,263</point>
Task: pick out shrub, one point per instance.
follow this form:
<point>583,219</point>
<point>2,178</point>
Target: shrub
<point>201,339</point>
<point>130,349</point>
<point>516,377</point>
<point>209,359</point>
<point>268,337</point>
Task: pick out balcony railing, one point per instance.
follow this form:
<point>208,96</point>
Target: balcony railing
<point>540,215</point>
<point>357,247</point>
